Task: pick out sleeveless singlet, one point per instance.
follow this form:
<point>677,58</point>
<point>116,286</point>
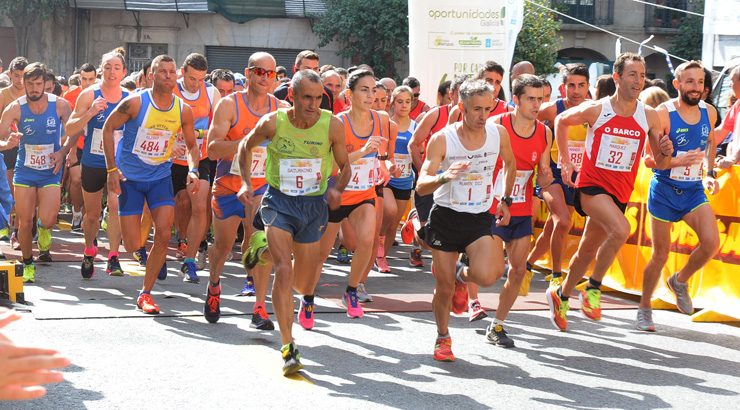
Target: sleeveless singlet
<point>202,107</point>
<point>361,186</point>
<point>576,141</point>
<point>42,135</point>
<point>403,159</point>
<point>92,151</point>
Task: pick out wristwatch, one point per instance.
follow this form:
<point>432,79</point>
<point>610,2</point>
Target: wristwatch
<point>712,173</point>
<point>507,200</point>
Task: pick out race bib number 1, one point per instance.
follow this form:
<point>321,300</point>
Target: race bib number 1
<point>300,176</point>
<point>617,153</point>
<point>38,157</point>
<point>472,189</point>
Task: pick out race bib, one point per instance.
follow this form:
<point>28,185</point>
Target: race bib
<point>403,162</point>
<point>519,192</point>
<point>151,145</point>
<point>576,149</point>
<point>300,176</point>
<point>38,157</point>
<point>180,143</point>
<point>96,145</point>
<point>363,175</point>
<point>688,173</point>
<point>617,153</point>
<point>471,190</point>
<point>259,156</point>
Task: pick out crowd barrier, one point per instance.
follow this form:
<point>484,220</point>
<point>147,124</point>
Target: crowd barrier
<point>715,289</point>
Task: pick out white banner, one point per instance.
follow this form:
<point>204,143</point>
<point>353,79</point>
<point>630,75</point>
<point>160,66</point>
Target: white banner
<point>721,34</point>
<point>449,38</point>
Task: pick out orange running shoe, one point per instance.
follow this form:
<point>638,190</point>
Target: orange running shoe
<point>443,350</point>
<point>591,303</point>
<point>558,309</point>
<point>145,302</point>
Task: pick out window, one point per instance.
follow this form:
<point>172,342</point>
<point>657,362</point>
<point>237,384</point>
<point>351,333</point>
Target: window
<point>140,53</point>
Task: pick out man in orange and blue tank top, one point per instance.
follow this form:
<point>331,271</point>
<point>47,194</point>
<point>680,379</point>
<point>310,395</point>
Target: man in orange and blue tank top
<point>618,128</point>
<point>191,208</point>
<point>235,116</point>
<point>139,167</point>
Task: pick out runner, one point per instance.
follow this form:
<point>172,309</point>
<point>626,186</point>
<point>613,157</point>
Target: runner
<point>732,114</point>
<point>677,193</point>
<point>305,60</point>
<point>618,128</point>
<point>93,107</point>
<point>37,178</point>
<point>333,82</point>
<point>559,196</point>
<point>234,118</point>
<point>303,140</point>
<point>493,74</point>
<point>223,80</point>
<point>7,95</point>
<point>433,122</point>
<point>458,169</point>
<point>139,165</point>
<point>366,132</point>
<point>191,206</point>
<point>418,107</point>
<point>530,140</point>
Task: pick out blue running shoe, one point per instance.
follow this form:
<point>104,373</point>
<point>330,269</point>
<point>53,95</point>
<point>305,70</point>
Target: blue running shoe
<point>162,272</point>
<point>190,271</point>
<point>343,255</point>
<point>140,256</point>
<point>248,289</point>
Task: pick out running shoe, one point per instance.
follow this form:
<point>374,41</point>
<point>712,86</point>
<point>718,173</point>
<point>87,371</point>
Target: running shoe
<point>343,255</point>
<point>476,311</point>
<point>261,320</point>
<point>291,358</point>
<point>558,309</point>
<point>645,320</point>
<point>255,250</point>
<point>407,230</point>
<point>44,239</point>
<point>381,264</point>
<point>162,275</point>
<point>443,350</point>
<point>182,249</point>
<point>76,221</point>
<point>140,256</point>
<point>212,308</point>
<point>460,297</point>
<point>415,258</point>
<point>362,294</point>
<point>14,241</point>
<point>497,335</point>
<point>591,303</point>
<point>681,290</point>
<point>146,304</point>
<point>4,234</point>
<point>526,282</point>
<point>352,303</point>
<point>248,289</point>
<point>88,267</point>
<point>29,273</point>
<point>190,271</point>
<point>45,257</point>
<point>113,267</point>
<point>305,315</point>
<point>556,281</point>
<point>201,257</point>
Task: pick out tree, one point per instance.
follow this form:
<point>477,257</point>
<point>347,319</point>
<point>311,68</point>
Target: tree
<point>687,44</point>
<point>538,41</point>
<point>27,16</point>
<point>370,32</point>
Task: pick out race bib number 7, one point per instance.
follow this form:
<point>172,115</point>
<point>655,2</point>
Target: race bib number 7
<point>617,153</point>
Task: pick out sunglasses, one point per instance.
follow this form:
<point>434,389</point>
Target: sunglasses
<point>261,72</point>
<point>416,95</point>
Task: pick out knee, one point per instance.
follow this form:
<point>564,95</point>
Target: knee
<point>365,241</point>
<point>444,290</point>
<point>561,224</point>
<point>620,232</point>
<point>487,280</point>
<point>162,234</point>
<point>710,245</point>
<point>516,274</point>
<point>660,256</point>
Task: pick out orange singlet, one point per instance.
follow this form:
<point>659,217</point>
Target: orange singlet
<point>362,185</point>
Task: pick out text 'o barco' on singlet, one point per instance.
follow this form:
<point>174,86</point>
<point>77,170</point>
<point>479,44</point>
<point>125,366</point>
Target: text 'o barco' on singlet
<point>146,147</point>
<point>92,152</point>
<point>228,174</point>
<point>299,160</point>
<point>201,103</point>
<point>685,137</point>
<point>361,186</point>
<point>576,141</point>
<point>473,191</point>
<point>613,149</point>
<point>42,135</point>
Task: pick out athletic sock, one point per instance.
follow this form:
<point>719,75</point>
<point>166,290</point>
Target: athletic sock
<point>557,275</point>
<point>28,261</point>
<point>145,292</point>
<point>593,284</point>
<point>189,260</point>
<point>112,254</point>
<point>560,293</point>
<point>444,336</point>
<point>216,284</point>
<point>91,251</point>
<point>497,322</point>
<point>529,266</point>
<point>308,298</point>
<point>350,289</point>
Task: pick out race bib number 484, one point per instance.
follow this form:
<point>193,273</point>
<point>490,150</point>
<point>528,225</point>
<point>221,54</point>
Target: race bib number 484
<point>152,145</point>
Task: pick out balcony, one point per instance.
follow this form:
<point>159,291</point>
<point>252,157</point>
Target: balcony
<point>658,19</point>
<point>598,12</point>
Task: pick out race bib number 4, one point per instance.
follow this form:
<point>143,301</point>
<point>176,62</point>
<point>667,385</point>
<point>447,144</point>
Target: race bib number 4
<point>96,144</point>
<point>471,190</point>
<point>363,175</point>
<point>617,153</point>
<point>38,157</point>
<point>259,156</point>
<point>519,192</point>
<point>688,173</point>
<point>152,146</point>
<point>300,176</point>
<point>403,162</point>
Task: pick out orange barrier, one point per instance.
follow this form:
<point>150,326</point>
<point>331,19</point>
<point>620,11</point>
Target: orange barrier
<point>715,289</point>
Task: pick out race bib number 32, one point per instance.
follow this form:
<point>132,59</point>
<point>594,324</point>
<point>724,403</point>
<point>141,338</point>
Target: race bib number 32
<point>617,153</point>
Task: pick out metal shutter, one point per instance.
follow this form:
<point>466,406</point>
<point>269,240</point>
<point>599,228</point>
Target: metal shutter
<point>235,58</point>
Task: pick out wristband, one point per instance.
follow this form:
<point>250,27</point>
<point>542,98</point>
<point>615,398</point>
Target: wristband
<point>441,179</point>
<point>110,170</point>
<point>712,173</point>
<point>195,171</point>
<point>383,157</point>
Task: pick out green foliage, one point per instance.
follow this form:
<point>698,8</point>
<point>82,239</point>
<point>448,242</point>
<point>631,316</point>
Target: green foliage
<point>687,44</point>
<point>370,32</point>
<point>26,16</point>
<point>538,40</point>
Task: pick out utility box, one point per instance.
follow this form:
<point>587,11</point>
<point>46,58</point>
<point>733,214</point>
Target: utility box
<point>11,281</point>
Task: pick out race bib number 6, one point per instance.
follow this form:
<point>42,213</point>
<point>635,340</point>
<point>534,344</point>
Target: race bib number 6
<point>300,176</point>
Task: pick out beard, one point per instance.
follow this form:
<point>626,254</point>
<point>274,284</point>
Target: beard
<point>689,100</point>
<point>34,97</point>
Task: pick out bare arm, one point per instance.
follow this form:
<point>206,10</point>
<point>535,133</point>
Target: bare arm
<point>423,128</point>
<point>429,181</point>
<point>10,116</point>
<point>126,110</point>
<point>223,117</point>
<point>188,132</point>
<point>507,156</point>
<point>339,151</point>
<point>544,174</point>
<point>85,109</point>
<point>584,113</point>
<point>265,130</point>
<point>660,143</point>
<point>455,115</point>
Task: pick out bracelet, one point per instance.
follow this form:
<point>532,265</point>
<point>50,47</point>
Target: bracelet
<point>383,157</point>
<point>441,179</point>
<point>712,173</point>
<point>114,169</point>
<point>201,134</point>
<point>195,171</point>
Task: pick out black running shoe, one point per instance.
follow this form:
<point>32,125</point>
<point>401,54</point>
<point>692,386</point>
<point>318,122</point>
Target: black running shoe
<point>212,309</point>
<point>88,267</point>
<point>260,320</point>
<point>497,335</point>
<point>44,257</point>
